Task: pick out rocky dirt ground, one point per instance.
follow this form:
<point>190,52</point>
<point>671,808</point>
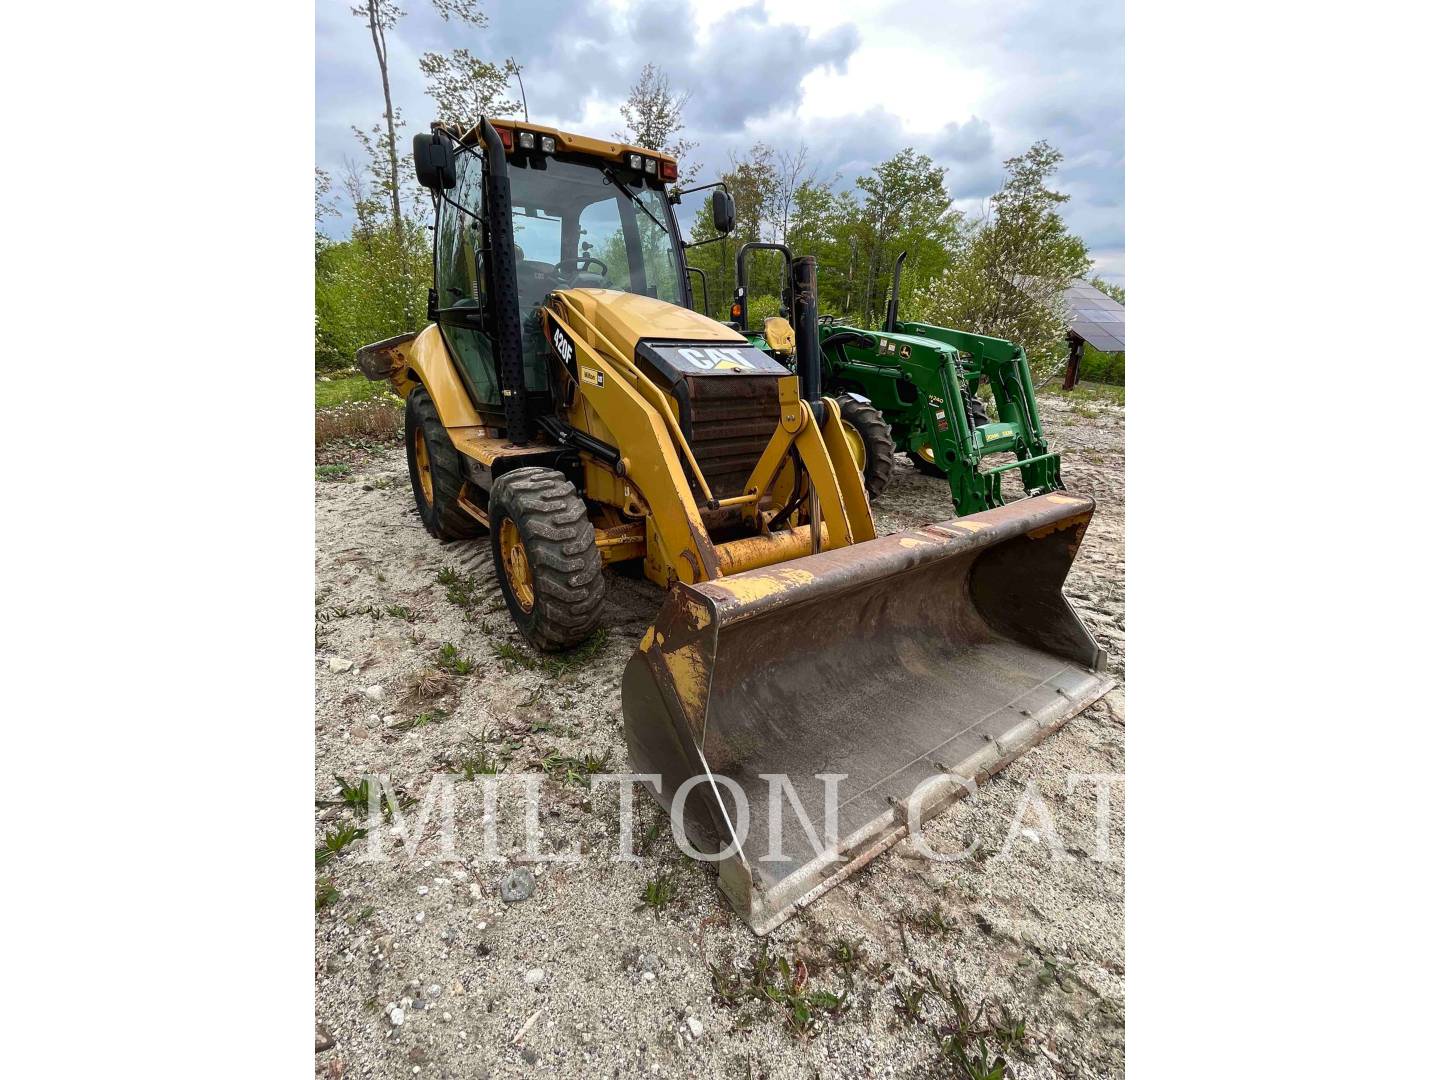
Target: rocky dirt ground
<point>422,969</point>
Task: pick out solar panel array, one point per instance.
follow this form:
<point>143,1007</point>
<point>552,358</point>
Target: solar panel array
<point>1095,317</point>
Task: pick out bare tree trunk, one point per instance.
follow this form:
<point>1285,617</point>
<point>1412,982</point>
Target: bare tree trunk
<point>377,36</point>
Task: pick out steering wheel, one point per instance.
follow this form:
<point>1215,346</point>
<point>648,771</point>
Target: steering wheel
<point>579,262</point>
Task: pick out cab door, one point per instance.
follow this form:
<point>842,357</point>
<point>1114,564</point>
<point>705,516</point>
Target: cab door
<point>460,298</point>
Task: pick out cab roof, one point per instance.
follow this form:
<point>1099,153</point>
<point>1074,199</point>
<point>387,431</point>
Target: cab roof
<point>565,140</point>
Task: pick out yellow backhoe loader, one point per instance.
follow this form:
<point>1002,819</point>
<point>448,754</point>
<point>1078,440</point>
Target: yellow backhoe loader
<point>568,400</point>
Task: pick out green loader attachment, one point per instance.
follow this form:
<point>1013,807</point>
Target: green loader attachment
<point>925,380</point>
<point>809,715</point>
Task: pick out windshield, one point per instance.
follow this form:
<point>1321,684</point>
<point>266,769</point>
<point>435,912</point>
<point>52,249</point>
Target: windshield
<point>576,229</point>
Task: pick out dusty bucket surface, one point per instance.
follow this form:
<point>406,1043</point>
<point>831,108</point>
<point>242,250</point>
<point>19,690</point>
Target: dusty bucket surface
<point>859,675</point>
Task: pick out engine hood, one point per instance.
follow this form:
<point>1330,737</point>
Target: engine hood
<point>627,319</point>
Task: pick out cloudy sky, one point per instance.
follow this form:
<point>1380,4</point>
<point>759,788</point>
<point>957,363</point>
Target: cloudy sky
<point>969,82</point>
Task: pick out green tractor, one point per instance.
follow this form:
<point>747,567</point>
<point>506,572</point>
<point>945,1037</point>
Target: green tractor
<point>924,381</point>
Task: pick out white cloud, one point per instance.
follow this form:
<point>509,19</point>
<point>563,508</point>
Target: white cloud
<point>969,82</point>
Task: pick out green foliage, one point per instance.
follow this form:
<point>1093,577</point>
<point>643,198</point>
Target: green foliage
<point>901,205</point>
<point>554,664</point>
<point>368,288</point>
<point>782,982</point>
<point>1096,366</point>
<point>660,891</point>
<point>325,893</point>
<point>573,770</point>
<point>653,117</point>
<point>465,88</point>
<point>335,842</point>
<point>1009,278</point>
<point>345,389</point>
<point>452,660</point>
<point>1115,292</point>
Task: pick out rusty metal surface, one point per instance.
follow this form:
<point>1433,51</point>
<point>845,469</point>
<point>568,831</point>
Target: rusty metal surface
<point>942,650</point>
<point>379,361</point>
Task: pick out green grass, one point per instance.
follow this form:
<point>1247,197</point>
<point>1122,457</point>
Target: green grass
<point>335,842</point>
<point>452,660</point>
<point>932,920</point>
<point>1093,392</point>
<point>573,770</point>
<point>554,664</point>
<point>660,891</point>
<point>420,720</point>
<point>352,387</point>
<point>773,980</point>
<point>332,472</point>
<point>325,893</point>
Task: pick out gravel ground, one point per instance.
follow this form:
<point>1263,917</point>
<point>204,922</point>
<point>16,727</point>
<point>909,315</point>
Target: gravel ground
<point>422,969</point>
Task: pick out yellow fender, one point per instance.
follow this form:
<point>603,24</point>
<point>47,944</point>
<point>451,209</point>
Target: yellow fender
<point>425,361</point>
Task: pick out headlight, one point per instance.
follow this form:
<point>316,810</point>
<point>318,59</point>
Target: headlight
<point>634,160</point>
<point>527,140</point>
<point>650,165</point>
<point>547,144</point>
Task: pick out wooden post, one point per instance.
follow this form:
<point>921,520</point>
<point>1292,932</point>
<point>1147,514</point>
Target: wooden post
<point>1072,369</point>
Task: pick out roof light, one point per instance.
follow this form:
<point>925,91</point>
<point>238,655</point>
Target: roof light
<point>527,140</point>
<point>547,144</point>
<point>634,161</point>
<point>669,170</point>
<point>650,165</point>
<point>507,137</point>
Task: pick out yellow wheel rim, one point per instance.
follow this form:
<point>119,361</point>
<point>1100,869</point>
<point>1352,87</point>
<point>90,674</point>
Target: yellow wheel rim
<point>856,442</point>
<point>517,565</point>
<point>928,453</point>
<point>422,467</point>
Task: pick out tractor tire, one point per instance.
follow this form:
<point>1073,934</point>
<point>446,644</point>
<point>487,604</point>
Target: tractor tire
<point>865,425</point>
<point>436,473</point>
<point>925,465</point>
<point>545,557</point>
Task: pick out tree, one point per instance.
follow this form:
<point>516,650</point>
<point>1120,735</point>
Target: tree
<point>907,208</point>
<point>465,88</point>
<point>1010,278</point>
<point>380,17</point>
<point>654,117</point>
<point>1114,292</point>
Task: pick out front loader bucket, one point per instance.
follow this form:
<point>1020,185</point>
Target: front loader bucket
<point>861,672</point>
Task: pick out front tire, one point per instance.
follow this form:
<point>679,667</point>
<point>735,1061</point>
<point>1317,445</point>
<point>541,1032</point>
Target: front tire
<point>868,436</point>
<point>436,473</point>
<point>545,557</point>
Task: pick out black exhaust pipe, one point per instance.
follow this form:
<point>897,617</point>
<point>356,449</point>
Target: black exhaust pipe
<point>805,310</point>
<point>892,313</point>
<point>505,292</point>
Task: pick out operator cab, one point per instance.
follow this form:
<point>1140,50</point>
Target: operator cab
<point>584,214</point>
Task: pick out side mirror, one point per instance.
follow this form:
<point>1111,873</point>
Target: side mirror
<point>722,210</point>
<point>434,161</point>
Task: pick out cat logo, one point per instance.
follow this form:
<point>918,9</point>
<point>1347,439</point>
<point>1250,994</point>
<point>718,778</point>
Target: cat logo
<point>716,359</point>
<point>591,375</point>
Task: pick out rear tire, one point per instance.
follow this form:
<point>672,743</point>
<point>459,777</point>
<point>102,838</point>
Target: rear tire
<point>868,424</point>
<point>436,472</point>
<point>545,557</point>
